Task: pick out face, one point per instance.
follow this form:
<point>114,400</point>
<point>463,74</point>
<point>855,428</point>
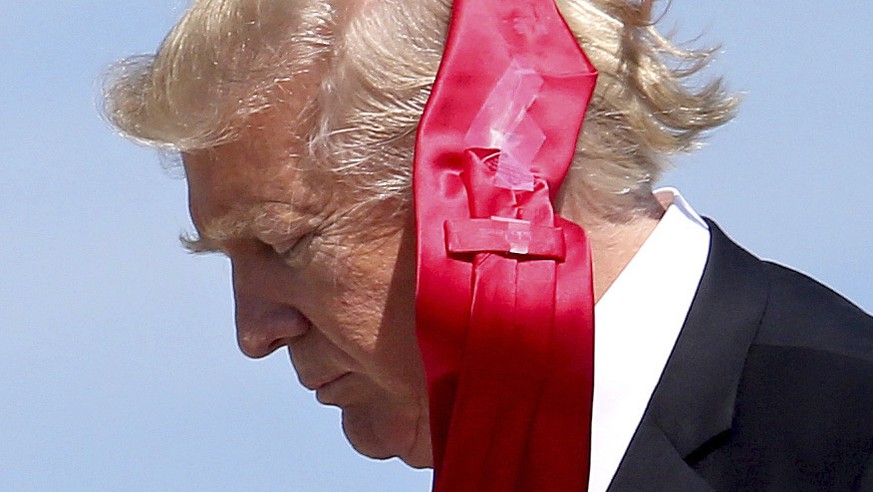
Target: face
<point>307,279</point>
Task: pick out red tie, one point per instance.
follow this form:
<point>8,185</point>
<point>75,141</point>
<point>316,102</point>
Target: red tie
<point>504,301</point>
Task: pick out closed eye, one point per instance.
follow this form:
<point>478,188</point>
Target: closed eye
<point>295,253</point>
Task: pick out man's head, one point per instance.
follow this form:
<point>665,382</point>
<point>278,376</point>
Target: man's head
<point>340,297</point>
<point>351,78</point>
<point>296,121</point>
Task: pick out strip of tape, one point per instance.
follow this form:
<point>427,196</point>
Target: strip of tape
<point>504,124</point>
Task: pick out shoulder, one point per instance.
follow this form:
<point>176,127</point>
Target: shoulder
<point>789,308</point>
<point>810,365</point>
<point>806,392</point>
<point>804,405</point>
<point>812,353</point>
<point>803,314</point>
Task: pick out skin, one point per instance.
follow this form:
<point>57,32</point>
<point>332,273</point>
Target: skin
<point>305,280</point>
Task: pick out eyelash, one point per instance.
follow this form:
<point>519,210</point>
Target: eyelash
<point>293,255</point>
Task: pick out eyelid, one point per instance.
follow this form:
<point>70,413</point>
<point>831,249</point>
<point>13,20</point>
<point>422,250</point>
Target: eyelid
<point>294,252</point>
<point>286,247</point>
<point>284,237</point>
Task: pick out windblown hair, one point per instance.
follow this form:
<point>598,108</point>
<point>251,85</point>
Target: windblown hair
<point>351,80</point>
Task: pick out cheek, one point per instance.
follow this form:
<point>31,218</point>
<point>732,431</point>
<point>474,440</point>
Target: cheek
<point>389,295</point>
<point>372,308</point>
<point>345,296</point>
<point>361,306</point>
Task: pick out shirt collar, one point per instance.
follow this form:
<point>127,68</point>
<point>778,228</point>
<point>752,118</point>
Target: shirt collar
<point>637,322</point>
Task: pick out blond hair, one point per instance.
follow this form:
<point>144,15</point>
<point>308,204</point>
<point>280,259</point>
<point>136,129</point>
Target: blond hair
<point>352,79</point>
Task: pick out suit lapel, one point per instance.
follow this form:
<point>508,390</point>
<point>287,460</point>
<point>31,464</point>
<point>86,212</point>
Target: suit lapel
<point>692,406</point>
<point>653,464</point>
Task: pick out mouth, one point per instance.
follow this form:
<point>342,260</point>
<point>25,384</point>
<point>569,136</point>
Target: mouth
<point>329,391</point>
<point>317,384</point>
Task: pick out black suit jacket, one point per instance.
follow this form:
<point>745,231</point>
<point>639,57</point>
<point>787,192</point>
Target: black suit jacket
<point>769,387</point>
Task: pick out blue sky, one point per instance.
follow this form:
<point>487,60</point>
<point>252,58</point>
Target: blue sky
<point>118,361</point>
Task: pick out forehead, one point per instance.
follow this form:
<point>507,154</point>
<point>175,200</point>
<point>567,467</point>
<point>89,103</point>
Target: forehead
<point>240,180</point>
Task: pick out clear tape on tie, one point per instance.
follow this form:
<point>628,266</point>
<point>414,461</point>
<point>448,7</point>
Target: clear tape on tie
<point>504,124</point>
<point>518,234</point>
<point>504,235</point>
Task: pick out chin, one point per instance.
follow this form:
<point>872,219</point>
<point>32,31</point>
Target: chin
<point>385,435</point>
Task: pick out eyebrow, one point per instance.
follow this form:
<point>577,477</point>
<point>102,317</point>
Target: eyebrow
<point>208,238</point>
<point>236,224</point>
<point>195,244</point>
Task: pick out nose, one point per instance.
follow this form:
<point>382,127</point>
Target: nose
<point>263,322</point>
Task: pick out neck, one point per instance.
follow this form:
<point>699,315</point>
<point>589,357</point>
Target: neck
<point>615,242</point>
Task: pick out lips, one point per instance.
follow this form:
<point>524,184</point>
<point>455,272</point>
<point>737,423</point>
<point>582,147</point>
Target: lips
<point>330,392</point>
<point>319,365</point>
<point>316,384</point>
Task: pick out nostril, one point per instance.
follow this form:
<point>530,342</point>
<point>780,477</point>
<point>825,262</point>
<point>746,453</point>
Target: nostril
<point>260,334</point>
<point>277,344</point>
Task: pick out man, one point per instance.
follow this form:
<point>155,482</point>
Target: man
<point>296,122</point>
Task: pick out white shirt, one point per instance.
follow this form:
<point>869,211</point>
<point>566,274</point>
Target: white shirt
<point>637,322</point>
